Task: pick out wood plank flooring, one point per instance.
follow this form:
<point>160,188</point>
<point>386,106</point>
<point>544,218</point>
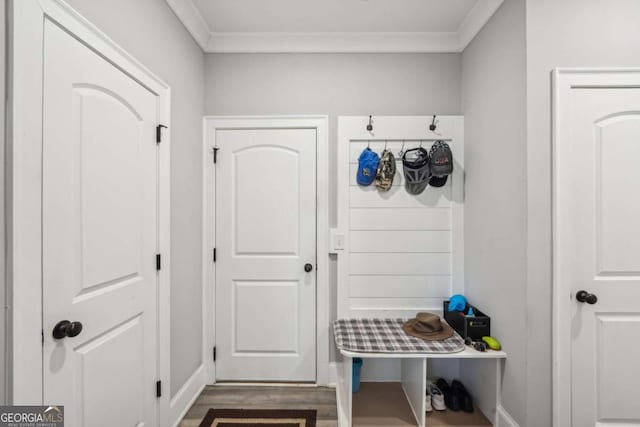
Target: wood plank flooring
<point>323,399</point>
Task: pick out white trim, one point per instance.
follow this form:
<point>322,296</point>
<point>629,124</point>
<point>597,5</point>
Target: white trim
<point>194,22</point>
<point>208,267</point>
<point>398,128</point>
<point>503,419</point>
<point>182,401</point>
<point>164,248</point>
<point>563,80</point>
<point>467,353</point>
<point>24,187</point>
<point>338,42</point>
<point>475,20</point>
<point>24,130</point>
<point>321,124</point>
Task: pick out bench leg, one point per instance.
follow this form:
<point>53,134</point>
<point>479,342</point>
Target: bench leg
<point>499,365</point>
<point>414,384</point>
<point>344,397</point>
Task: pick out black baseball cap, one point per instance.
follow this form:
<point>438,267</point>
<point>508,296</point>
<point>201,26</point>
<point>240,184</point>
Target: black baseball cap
<point>441,163</point>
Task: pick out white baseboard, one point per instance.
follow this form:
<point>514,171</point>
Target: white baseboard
<point>187,395</point>
<point>503,419</point>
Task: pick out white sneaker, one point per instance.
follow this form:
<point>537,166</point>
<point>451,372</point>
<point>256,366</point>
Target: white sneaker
<point>427,402</point>
<point>436,397</point>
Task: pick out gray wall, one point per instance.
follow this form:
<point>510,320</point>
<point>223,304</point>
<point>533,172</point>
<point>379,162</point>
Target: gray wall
<point>150,32</point>
<point>493,103</point>
<point>332,84</point>
<point>335,85</point>
<point>3,313</point>
<point>569,33</point>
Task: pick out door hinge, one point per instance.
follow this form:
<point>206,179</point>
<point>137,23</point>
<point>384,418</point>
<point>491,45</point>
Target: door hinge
<point>159,133</point>
<point>158,262</point>
<point>158,388</point>
<point>215,154</point>
<point>215,255</point>
<point>214,353</point>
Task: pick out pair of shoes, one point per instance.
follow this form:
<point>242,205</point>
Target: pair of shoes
<point>452,401</point>
<point>435,398</point>
<point>456,396</point>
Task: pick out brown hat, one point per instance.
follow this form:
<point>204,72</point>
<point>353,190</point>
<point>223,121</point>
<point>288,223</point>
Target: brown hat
<point>428,327</point>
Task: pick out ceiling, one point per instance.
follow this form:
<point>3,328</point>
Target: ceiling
<point>334,25</point>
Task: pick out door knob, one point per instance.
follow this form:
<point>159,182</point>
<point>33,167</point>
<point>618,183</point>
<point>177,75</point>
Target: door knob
<point>308,267</point>
<point>65,328</point>
<point>584,296</point>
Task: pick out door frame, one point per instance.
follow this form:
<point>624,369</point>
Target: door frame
<point>24,188</point>
<point>320,123</point>
<point>564,80</point>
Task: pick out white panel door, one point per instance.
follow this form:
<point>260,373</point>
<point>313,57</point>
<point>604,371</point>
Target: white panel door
<point>99,238</point>
<point>599,180</point>
<point>265,237</point>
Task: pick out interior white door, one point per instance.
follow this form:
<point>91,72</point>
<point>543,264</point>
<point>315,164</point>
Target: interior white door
<point>99,238</point>
<point>599,180</point>
<point>265,237</point>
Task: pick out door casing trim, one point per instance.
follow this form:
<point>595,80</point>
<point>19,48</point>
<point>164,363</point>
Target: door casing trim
<point>321,124</point>
<point>563,80</point>
<point>24,188</point>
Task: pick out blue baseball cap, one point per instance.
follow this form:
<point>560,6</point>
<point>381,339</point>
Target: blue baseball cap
<point>367,166</point>
<point>457,303</point>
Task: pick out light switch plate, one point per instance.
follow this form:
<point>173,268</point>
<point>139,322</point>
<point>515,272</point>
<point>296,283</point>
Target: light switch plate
<point>337,243</point>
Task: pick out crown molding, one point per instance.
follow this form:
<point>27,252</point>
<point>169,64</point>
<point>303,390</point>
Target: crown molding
<point>475,20</point>
<point>333,42</point>
<point>192,19</point>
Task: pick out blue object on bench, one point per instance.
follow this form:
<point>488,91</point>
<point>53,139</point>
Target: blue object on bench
<point>457,303</point>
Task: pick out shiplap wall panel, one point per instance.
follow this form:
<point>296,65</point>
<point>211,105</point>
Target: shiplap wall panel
<point>403,252</point>
<point>393,264</point>
<point>400,286</point>
<point>400,219</point>
<point>400,241</point>
<point>397,197</point>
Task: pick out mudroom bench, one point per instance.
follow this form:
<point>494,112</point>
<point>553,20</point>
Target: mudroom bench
<point>413,381</point>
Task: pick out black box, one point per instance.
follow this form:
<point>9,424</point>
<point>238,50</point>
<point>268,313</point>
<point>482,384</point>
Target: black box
<point>472,327</point>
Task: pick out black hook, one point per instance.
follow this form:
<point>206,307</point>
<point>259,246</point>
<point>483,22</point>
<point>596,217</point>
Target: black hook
<point>432,126</point>
<point>370,125</point>
<point>401,152</point>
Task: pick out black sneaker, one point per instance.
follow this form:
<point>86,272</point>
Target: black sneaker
<point>450,398</point>
<point>463,396</point>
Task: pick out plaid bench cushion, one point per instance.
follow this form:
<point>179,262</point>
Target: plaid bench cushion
<point>387,336</point>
